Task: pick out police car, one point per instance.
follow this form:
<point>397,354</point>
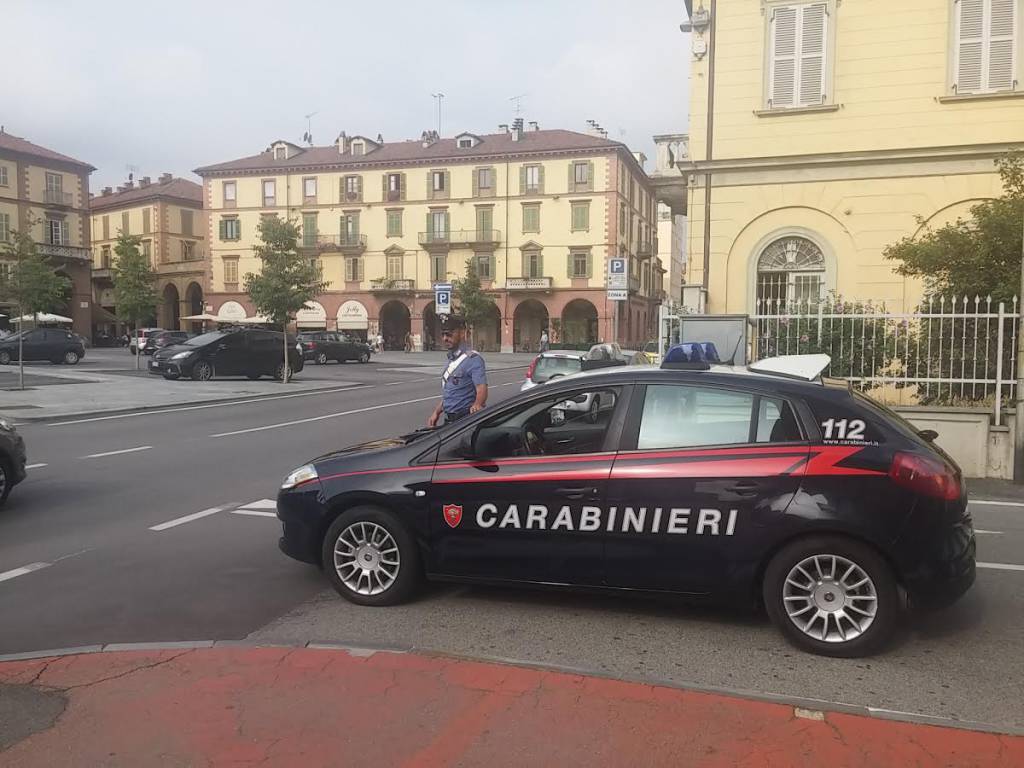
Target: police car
<point>764,482</point>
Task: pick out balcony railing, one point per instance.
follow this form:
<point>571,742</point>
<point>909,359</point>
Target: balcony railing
<point>103,273</point>
<point>468,237</point>
<point>528,284</point>
<point>57,197</point>
<point>65,252</point>
<point>403,284</point>
<point>343,242</point>
<point>634,283</point>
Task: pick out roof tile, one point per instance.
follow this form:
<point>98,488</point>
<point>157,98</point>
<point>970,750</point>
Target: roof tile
<point>18,144</point>
<point>182,189</point>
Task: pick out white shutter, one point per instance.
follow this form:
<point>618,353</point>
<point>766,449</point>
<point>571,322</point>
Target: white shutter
<point>813,45</point>
<point>782,66</point>
<point>1001,46</point>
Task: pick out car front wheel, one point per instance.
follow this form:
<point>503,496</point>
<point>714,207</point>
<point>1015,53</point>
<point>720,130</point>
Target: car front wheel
<point>364,358</point>
<point>832,596</point>
<point>202,371</point>
<point>321,358</point>
<point>279,372</point>
<point>5,480</point>
<point>5,357</point>
<point>370,557</point>
<point>71,357</point>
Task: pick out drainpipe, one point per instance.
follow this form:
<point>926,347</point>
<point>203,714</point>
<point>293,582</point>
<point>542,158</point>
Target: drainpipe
<point>1018,427</point>
<point>708,152</point>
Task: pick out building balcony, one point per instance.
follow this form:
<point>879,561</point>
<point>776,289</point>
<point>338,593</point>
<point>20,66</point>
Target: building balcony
<point>645,251</point>
<point>403,285</point>
<point>352,244</point>
<point>462,238</point>
<point>634,284</point>
<point>65,252</point>
<point>103,275</point>
<point>57,197</point>
<point>528,284</point>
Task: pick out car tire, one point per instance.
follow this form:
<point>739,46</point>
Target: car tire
<point>132,350</point>
<point>253,376</point>
<point>202,371</point>
<point>171,376</point>
<point>364,358</point>
<point>5,479</point>
<point>71,357</point>
<point>321,358</point>
<point>382,583</point>
<point>815,572</point>
<point>279,372</point>
<point>5,357</point>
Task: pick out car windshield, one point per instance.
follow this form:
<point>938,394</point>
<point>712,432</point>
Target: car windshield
<point>550,367</point>
<point>206,338</point>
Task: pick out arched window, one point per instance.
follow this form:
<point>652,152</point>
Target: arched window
<point>790,270</point>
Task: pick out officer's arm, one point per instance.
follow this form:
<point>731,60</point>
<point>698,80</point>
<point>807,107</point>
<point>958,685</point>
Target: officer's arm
<point>479,377</point>
<point>435,416</point>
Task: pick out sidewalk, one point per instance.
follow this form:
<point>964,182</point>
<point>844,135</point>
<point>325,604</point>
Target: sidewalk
<point>245,706</point>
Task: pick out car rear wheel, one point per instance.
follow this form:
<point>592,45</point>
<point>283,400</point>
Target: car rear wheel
<point>279,372</point>
<point>71,357</point>
<point>832,596</point>
<point>321,358</point>
<point>202,371</point>
<point>5,479</point>
<point>253,376</point>
<point>364,358</point>
<point>5,358</point>
<point>370,557</point>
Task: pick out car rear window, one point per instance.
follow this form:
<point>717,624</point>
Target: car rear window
<point>548,367</point>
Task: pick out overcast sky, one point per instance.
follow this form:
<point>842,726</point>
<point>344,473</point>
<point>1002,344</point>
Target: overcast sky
<point>199,82</point>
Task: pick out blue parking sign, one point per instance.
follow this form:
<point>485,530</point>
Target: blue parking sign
<point>617,266</point>
<point>443,299</point>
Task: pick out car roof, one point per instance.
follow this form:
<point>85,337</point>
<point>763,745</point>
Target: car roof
<point>562,353</point>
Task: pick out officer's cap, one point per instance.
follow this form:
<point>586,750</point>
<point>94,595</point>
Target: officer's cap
<point>452,322</point>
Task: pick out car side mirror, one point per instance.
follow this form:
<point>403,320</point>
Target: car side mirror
<point>928,434</point>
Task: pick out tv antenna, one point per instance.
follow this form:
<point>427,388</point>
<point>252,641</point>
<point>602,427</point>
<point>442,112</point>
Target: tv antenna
<point>308,135</point>
<point>439,96</point>
<point>518,102</point>
<point>132,170</point>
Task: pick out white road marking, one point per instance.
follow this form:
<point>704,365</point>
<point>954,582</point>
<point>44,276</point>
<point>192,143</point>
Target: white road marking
<point>322,418</point>
<point>253,512</point>
<point>36,466</point>
<point>189,518</point>
<point>510,383</point>
<point>16,572</point>
<point>1002,566</point>
<point>117,453</point>
<point>203,407</point>
<point>995,503</point>
<point>990,533</point>
<point>261,504</point>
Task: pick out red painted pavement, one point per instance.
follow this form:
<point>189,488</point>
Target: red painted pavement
<point>236,706</point>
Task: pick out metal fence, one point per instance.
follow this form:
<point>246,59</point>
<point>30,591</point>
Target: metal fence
<point>959,351</point>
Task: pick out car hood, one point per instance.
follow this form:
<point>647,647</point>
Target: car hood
<point>164,353</point>
<point>363,449</point>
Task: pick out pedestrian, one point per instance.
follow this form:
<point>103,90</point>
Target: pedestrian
<point>408,341</point>
<point>464,380</point>
<point>380,342</point>
<point>544,340</point>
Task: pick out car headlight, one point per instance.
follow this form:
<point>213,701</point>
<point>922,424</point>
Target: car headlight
<point>298,476</point>
<point>181,355</point>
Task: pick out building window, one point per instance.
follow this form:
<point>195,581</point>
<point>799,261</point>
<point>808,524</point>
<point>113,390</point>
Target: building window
<point>395,223</point>
<point>231,270</point>
<point>3,176</point>
<point>106,227</point>
<point>579,264</point>
<point>280,153</point>
<point>188,250</point>
<point>438,267</point>
<point>309,230</point>
<point>186,221</point>
<point>5,227</point>
<point>309,188</point>
<point>484,222</point>
<point>581,176</point>
<point>465,143</point>
<point>790,270</point>
<point>349,229</point>
<point>484,266</point>
<point>394,187</point>
<point>438,184</point>
<point>105,257</point>
<point>352,186</point>
<point>353,269</point>
<point>57,231</point>
<point>358,148</point>
<point>797,55</point>
<point>54,188</point>
<point>580,215</point>
<point>484,182</point>
<point>533,265</point>
<point>531,180</point>
<point>147,251</point>
<point>394,266</point>
<point>125,219</point>
<point>230,229</point>
<point>269,193</point>
<point>531,218</point>
<point>147,224</point>
<point>984,58</point>
<point>622,220</point>
<point>230,193</point>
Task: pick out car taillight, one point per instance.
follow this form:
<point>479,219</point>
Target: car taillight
<point>926,476</point>
<point>530,370</point>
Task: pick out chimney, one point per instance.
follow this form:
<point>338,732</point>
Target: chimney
<point>429,137</point>
<point>120,189</point>
<point>145,181</point>
<point>534,126</point>
<point>165,178</point>
<point>129,185</point>
<point>517,129</point>
<point>380,138</point>
<point>341,143</point>
<point>108,191</point>
<point>503,127</point>
<point>641,158</point>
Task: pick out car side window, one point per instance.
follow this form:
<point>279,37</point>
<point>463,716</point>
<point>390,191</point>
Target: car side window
<point>682,416</point>
<point>776,422</point>
<point>263,342</point>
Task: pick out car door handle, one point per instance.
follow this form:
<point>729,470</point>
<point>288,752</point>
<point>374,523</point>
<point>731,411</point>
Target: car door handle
<point>587,492</point>
<point>744,488</point>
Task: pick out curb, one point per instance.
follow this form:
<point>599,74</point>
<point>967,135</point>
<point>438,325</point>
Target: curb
<point>804,707</point>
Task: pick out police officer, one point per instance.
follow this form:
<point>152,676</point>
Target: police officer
<point>464,380</point>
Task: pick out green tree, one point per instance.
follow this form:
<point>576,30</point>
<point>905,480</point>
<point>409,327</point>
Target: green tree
<point>979,256</point>
<point>30,283</point>
<point>287,279</point>
<point>134,283</point>
<point>474,305</point>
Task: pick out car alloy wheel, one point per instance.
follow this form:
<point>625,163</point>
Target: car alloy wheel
<point>279,372</point>
<point>202,371</point>
<point>366,558</point>
<point>71,357</point>
<point>5,358</point>
<point>321,358</point>
<point>364,358</point>
<point>830,598</point>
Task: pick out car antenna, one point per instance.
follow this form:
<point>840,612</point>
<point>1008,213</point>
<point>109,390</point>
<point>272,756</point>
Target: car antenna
<point>732,359</point>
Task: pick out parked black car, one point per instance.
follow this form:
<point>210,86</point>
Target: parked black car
<point>246,352</point>
<point>158,341</point>
<point>53,344</point>
<point>12,458</point>
<point>323,346</point>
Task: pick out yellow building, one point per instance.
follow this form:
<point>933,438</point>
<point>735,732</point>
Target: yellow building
<point>540,212</point>
<point>168,215</point>
<point>839,128</point>
<point>47,194</point>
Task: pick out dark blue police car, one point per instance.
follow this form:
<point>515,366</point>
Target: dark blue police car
<point>765,482</point>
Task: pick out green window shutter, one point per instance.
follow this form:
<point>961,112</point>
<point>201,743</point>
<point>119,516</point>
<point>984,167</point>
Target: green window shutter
<point>572,177</point>
<point>430,185</point>
<point>447,183</point>
<point>430,223</point>
<point>568,265</point>
<point>540,179</point>
<point>590,264</point>
<point>359,266</point>
<point>355,224</point>
<point>401,187</point>
<point>476,182</point>
<point>522,180</point>
<point>447,222</point>
<point>223,229</point>
<point>540,263</point>
<point>590,176</point>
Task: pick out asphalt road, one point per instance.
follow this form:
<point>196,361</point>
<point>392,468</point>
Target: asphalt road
<point>81,563</point>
